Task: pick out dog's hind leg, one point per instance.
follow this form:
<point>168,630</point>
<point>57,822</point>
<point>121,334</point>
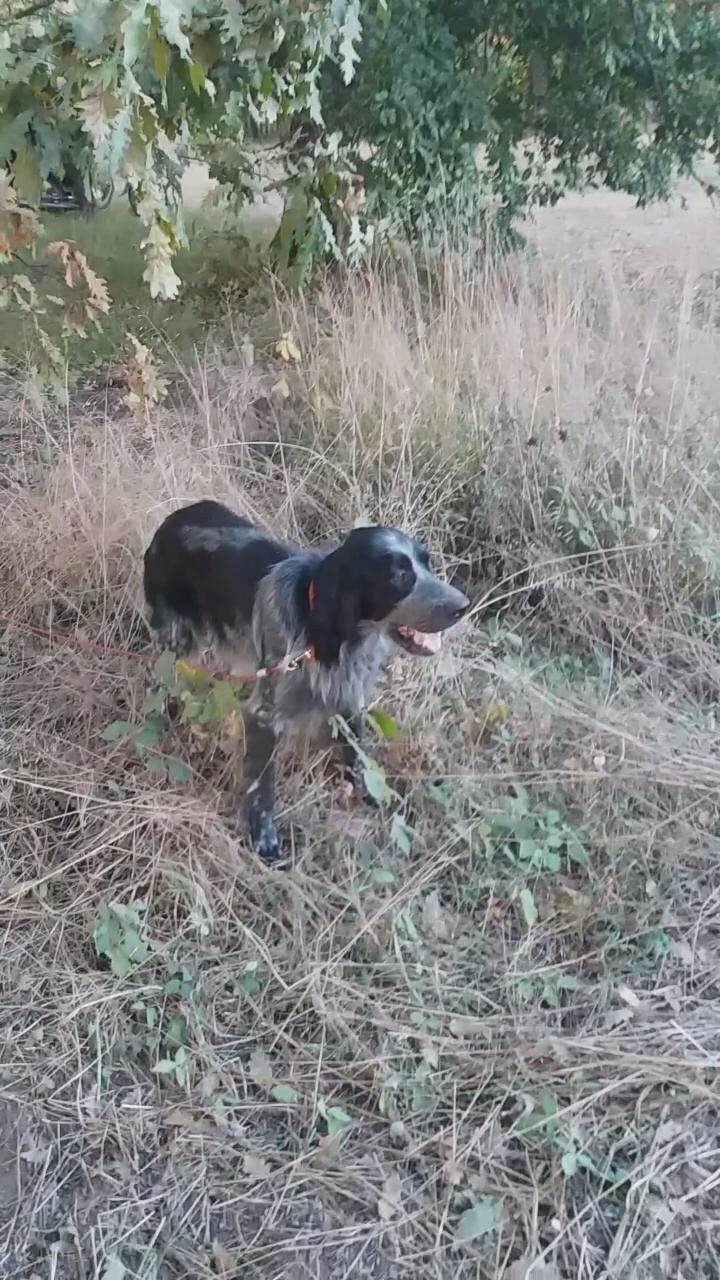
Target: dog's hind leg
<point>260,786</point>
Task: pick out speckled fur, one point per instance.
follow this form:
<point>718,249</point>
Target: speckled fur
<point>313,692</point>
<point>212,578</point>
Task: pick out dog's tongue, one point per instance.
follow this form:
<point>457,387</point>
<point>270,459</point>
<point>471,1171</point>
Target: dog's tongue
<point>429,642</point>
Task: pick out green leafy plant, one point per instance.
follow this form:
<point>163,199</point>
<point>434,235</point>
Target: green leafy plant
<point>165,1021</point>
<point>201,697</point>
<point>542,1122</point>
<point>176,1065</point>
<point>547,989</point>
<point>534,839</point>
<point>261,1072</point>
<point>596,524</point>
<point>119,933</point>
<point>482,1216</point>
<point>336,1118</point>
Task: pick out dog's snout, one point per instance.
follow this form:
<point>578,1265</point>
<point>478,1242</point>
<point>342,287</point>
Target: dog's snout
<point>458,604</point>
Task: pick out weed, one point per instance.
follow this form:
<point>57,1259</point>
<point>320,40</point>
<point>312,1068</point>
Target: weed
<point>202,698</point>
<point>532,838</point>
<point>118,935</point>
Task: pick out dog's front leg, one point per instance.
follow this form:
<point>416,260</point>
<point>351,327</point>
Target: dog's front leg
<point>260,784</point>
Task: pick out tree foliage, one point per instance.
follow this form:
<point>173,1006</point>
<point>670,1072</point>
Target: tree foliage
<point>121,85</point>
<point>462,107</point>
<point>382,112</point>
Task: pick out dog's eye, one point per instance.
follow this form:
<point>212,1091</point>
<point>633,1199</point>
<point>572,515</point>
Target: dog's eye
<point>402,574</point>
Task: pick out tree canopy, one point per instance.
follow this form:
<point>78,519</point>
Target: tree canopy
<point>383,113</point>
<point>122,84</point>
<point>460,107</point>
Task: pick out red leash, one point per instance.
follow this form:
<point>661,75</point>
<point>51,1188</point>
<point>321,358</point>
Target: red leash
<point>289,663</point>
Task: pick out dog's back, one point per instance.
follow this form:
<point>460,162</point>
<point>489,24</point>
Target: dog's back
<point>202,570</point>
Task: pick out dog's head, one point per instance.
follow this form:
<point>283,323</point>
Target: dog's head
<point>380,579</point>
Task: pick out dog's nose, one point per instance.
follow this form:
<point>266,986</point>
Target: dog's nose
<point>458,606</point>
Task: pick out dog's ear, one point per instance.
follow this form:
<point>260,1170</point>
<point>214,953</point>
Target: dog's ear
<point>334,615</point>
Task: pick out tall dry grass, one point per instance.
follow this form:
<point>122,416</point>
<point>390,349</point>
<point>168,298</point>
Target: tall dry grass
<point>448,1040</point>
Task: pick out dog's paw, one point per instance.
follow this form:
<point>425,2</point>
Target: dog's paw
<point>264,837</point>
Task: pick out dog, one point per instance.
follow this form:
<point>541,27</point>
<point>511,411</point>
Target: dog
<point>212,577</point>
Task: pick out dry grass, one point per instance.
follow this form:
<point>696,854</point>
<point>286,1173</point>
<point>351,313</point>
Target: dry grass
<point>544,430</point>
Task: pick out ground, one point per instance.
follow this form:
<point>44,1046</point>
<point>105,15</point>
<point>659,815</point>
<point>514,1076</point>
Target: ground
<point>474,1033</point>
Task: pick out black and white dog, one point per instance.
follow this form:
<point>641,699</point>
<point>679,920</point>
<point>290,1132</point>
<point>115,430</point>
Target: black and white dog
<point>212,577</point>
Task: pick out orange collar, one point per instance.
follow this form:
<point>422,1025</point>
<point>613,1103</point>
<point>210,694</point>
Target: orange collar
<point>312,597</point>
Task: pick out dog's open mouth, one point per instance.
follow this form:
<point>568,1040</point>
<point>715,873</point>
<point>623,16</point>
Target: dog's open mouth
<point>423,643</point>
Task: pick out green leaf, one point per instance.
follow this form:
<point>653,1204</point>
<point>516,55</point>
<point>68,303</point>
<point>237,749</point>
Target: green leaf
<point>170,14</point>
<point>154,703</point>
<point>106,935</point>
<point>155,764</point>
<point>283,1093</point>
<point>569,1163</point>
<point>116,936</point>
<point>576,851</point>
<point>384,723</point>
<point>478,1220</point>
<point>221,701</point>
<point>541,1119</point>
<point>376,783</point>
<point>151,732</point>
<point>26,172</point>
<point>129,912</point>
<point>336,1118</point>
<point>247,983</point>
<point>380,875</point>
<point>164,669</point>
<point>118,729</point>
<point>178,769</point>
<point>196,75</point>
<point>177,1030</point>
<point>193,709</point>
<point>401,834</point>
<point>529,907</point>
<point>527,849</point>
<point>133,946</point>
<point>161,53</point>
<point>165,1067</point>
